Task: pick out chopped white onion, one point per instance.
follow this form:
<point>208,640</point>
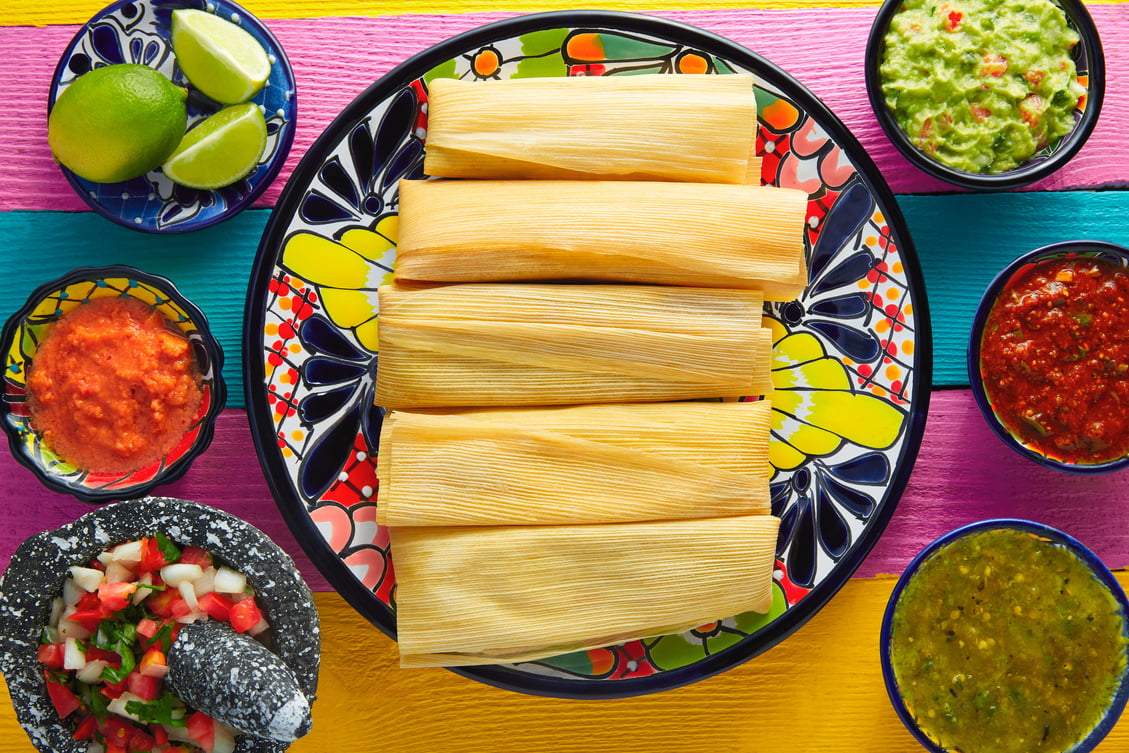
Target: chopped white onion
<point>73,656</point>
<point>205,583</point>
<point>86,578</point>
<point>128,553</point>
<point>179,573</point>
<point>92,672</point>
<point>116,572</point>
<point>229,581</point>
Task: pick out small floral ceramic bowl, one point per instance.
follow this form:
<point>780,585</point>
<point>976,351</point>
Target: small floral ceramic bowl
<point>137,31</point>
<point>945,22</point>
<point>1063,678</point>
<point>24,332</point>
<point>1048,356</point>
<point>38,572</point>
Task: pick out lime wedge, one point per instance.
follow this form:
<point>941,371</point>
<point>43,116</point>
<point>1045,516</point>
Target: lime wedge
<point>220,150</point>
<point>221,59</point>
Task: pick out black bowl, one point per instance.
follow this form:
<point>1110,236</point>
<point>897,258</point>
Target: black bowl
<point>1088,60</point>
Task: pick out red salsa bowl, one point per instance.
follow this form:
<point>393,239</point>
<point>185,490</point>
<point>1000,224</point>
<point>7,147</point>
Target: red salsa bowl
<point>1048,357</point>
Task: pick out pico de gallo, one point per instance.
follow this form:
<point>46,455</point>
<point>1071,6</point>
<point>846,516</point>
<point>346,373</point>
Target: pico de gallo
<point>104,648</point>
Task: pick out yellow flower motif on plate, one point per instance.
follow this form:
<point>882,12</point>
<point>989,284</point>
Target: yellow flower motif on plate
<point>347,272</point>
<point>815,409</point>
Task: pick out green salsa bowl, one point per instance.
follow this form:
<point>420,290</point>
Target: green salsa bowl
<point>979,93</point>
<point>1006,636</point>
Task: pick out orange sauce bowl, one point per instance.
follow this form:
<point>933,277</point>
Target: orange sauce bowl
<point>144,365</point>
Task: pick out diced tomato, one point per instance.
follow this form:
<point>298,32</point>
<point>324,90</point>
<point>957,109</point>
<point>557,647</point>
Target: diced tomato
<point>1031,109</point>
<point>1034,77</point>
<point>160,734</point>
<point>114,689</point>
<point>161,603</point>
<point>64,699</point>
<point>245,615</point>
<point>93,653</point>
<point>202,729</point>
<point>152,559</point>
<point>88,601</point>
<point>194,555</point>
<point>89,618</point>
<point>153,663</point>
<point>117,731</point>
<point>116,596</point>
<point>141,741</point>
<point>144,687</point>
<point>180,609</point>
<point>110,747</point>
<point>216,605</point>
<point>147,628</point>
<point>51,655</point>
<point>980,114</point>
<point>952,21</point>
<point>995,65</point>
<point>85,729</point>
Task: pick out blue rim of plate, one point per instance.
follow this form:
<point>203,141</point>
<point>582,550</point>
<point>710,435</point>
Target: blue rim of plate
<point>1110,252</point>
<point>204,344</point>
<point>152,203</point>
<point>295,510</point>
<point>1080,550</point>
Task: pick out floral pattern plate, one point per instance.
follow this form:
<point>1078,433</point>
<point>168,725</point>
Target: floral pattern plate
<point>851,361</point>
<point>137,31</point>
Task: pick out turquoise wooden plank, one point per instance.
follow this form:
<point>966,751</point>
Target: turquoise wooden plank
<point>964,240</point>
<point>211,267</point>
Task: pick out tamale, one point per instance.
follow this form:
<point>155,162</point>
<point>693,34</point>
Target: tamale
<point>731,436</point>
<point>470,595</point>
<point>692,234</point>
<point>698,128</point>
<point>444,470</point>
<point>569,348</point>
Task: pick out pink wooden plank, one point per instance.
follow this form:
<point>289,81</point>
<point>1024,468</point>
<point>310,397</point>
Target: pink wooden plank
<point>337,58</point>
<point>963,474</point>
<point>226,476</point>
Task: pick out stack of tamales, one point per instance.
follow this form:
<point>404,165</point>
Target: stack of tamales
<point>600,255</point>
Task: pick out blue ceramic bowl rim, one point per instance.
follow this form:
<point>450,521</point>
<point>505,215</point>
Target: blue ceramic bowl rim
<point>1103,249</point>
<point>1097,567</point>
<point>286,138</point>
<point>207,424</point>
<point>1080,20</point>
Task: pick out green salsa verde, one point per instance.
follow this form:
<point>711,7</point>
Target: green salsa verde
<point>981,85</point>
<point>1006,642</point>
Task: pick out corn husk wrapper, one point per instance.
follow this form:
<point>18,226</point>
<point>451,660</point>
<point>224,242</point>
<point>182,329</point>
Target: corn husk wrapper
<point>469,595</point>
<point>569,348</point>
<point>730,436</point>
<point>698,128</point>
<point>438,470</point>
<point>698,235</point>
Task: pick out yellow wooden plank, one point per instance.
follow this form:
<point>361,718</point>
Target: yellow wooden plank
<point>36,13</point>
<point>820,690</point>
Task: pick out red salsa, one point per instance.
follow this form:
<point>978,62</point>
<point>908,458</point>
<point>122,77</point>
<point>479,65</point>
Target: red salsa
<point>1054,359</point>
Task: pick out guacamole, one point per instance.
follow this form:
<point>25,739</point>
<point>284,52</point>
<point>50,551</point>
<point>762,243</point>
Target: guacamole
<point>981,85</point>
<point>1005,642</point>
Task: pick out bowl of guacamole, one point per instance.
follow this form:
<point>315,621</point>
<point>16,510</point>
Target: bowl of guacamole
<point>985,94</point>
<point>1007,636</point>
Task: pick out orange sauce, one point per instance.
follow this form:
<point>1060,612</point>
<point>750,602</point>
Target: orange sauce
<point>113,386</point>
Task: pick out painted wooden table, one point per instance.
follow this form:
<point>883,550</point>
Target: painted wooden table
<point>821,689</point>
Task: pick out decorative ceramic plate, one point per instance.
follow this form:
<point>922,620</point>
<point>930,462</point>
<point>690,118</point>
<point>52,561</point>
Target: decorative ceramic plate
<point>137,31</point>
<point>851,362</point>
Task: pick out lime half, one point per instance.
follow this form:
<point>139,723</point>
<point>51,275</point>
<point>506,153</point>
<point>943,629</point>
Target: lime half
<point>220,150</point>
<point>220,59</point>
